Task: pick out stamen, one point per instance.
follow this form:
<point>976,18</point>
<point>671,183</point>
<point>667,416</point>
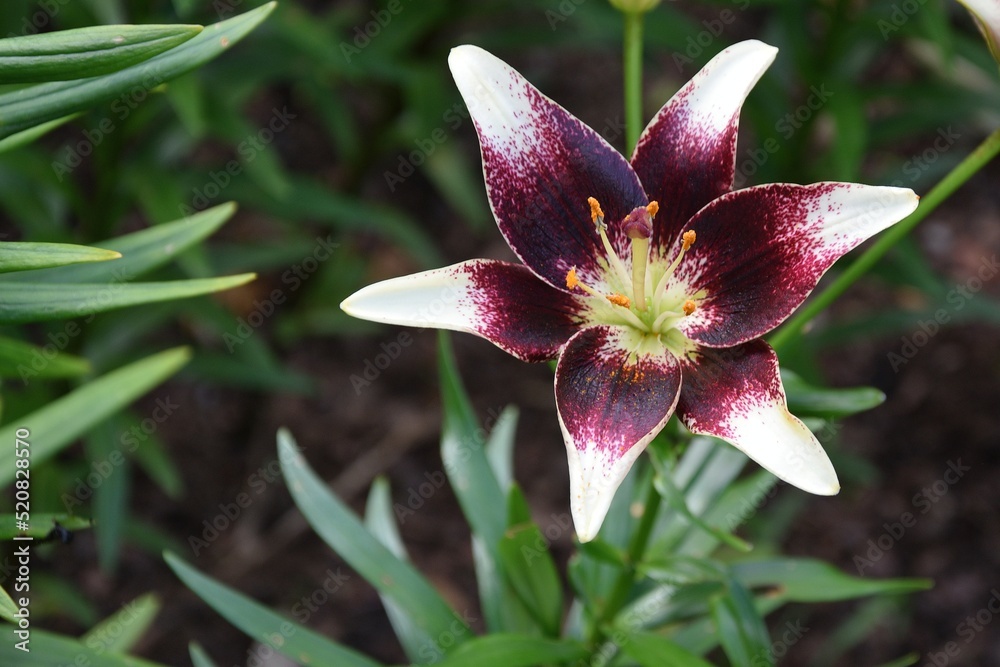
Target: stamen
<point>619,300</point>
<point>572,282</point>
<point>687,240</point>
<point>596,214</point>
<point>653,207</point>
<point>689,307</point>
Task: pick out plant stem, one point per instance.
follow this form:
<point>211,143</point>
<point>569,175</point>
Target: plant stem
<point>636,550</point>
<point>633,79</point>
<point>944,189</point>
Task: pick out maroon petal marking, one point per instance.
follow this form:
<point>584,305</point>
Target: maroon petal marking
<point>505,303</point>
<point>686,156</point>
<point>611,403</point>
<point>736,394</point>
<point>761,251</point>
<point>541,164</point>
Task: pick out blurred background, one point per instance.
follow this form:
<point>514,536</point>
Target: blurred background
<point>336,128</point>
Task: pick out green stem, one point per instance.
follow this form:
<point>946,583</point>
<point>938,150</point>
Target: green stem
<point>633,79</point>
<point>944,189</point>
<point>623,584</point>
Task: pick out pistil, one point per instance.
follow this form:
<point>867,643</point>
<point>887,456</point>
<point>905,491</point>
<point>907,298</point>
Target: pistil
<point>638,226</point>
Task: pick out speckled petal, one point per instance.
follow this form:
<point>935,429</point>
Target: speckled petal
<point>502,302</point>
<point>541,164</point>
<point>686,157</point>
<point>736,394</point>
<point>761,251</point>
<point>612,402</point>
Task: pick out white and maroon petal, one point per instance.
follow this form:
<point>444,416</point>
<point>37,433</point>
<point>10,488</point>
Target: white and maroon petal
<point>541,164</point>
<point>613,395</point>
<point>761,251</point>
<point>686,157</point>
<point>502,302</point>
<point>736,394</point>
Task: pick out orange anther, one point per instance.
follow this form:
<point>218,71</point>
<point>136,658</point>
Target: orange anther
<point>571,280</point>
<point>596,214</point>
<point>620,300</point>
<point>652,207</point>
<point>689,307</point>
<point>689,238</point>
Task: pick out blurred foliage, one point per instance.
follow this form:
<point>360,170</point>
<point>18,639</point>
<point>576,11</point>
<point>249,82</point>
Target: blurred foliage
<point>336,128</point>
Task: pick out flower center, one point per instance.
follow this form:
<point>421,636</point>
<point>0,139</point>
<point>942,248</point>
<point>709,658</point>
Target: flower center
<point>652,309</point>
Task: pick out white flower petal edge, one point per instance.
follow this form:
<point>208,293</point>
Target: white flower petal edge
<point>987,15</point>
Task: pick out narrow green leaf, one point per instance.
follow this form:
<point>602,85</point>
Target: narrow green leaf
<point>41,524</point>
<point>25,361</point>
<point>500,447</point>
<point>7,607</point>
<point>86,52</point>
<point>48,649</point>
<point>528,564</point>
<point>463,454</point>
<point>141,251</point>
<point>36,302</point>
<point>110,500</point>
<point>381,522</point>
<point>652,650</point>
<point>510,650</point>
<point>17,256</point>
<point>805,400</point>
<point>121,631</point>
<point>60,422</point>
<point>807,580</point>
<point>25,137</point>
<point>345,534</point>
<point>741,628</point>
<point>265,626</point>
<point>199,657</point>
<point>37,104</point>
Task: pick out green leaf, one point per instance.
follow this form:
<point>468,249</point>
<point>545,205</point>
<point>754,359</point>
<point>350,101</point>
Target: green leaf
<point>48,649</point>
<point>24,361</point>
<point>381,522</point>
<point>7,607</point>
<point>86,52</point>
<point>36,302</point>
<point>263,625</point>
<point>141,252</point>
<point>199,658</point>
<point>528,565</point>
<point>464,456</point>
<point>60,422</point>
<point>741,628</point>
<point>511,650</point>
<point>500,447</point>
<point>806,400</point>
<point>652,650</point>
<point>121,631</point>
<point>41,524</point>
<point>37,104</point>
<point>807,580</point>
<point>25,137</point>
<point>16,256</point>
<point>339,528</point>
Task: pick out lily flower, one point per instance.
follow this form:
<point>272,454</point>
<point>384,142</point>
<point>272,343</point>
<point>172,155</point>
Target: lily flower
<point>649,280</point>
<point>987,16</point>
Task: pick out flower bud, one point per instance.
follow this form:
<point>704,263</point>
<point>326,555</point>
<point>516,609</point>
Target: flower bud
<point>634,6</point>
